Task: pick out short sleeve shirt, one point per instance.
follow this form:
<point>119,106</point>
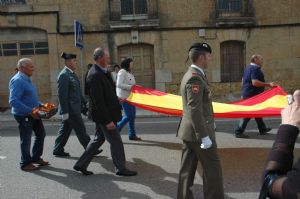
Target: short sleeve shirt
<point>252,72</point>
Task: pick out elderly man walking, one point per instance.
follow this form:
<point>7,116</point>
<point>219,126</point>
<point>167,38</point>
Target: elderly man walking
<point>23,98</point>
<point>253,84</point>
<point>105,111</point>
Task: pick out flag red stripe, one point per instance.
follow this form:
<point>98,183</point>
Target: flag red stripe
<point>261,97</point>
<point>268,112</point>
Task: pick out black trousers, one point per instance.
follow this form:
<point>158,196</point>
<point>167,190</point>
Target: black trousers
<point>243,124</point>
<point>116,148</point>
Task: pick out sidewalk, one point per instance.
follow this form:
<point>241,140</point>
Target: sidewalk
<point>7,116</point>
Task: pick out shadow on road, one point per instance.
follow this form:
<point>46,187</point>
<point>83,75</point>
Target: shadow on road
<point>242,167</point>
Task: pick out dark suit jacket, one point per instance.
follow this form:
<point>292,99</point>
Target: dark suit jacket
<point>104,106</point>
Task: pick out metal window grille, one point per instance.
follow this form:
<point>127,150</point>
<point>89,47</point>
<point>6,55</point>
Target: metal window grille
<point>134,7</point>
<point>24,48</point>
<point>230,5</point>
<point>9,2</point>
<point>232,61</point>
<point>10,49</point>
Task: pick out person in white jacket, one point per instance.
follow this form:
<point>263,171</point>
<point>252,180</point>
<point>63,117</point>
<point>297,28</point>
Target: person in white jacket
<point>125,81</point>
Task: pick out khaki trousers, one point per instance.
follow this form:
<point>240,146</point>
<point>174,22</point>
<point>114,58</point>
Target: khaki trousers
<point>212,172</point>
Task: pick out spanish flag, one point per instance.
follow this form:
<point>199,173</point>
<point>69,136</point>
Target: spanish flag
<point>266,104</point>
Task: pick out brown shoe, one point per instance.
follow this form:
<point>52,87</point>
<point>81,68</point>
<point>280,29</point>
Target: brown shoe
<point>41,162</point>
<point>135,138</point>
<point>30,167</point>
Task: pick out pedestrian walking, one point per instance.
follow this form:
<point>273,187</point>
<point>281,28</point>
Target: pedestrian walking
<point>196,129</point>
<point>125,81</point>
<point>71,104</point>
<point>23,98</point>
<point>253,84</point>
<point>105,111</point>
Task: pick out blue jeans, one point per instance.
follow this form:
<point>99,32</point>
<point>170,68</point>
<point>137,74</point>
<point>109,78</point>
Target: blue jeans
<point>129,116</point>
<point>26,125</point>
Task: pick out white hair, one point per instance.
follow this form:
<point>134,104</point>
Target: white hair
<point>22,62</point>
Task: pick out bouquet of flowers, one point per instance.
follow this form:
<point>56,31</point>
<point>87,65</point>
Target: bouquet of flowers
<point>46,110</point>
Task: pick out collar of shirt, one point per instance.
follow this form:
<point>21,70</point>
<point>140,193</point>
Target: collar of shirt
<point>199,69</point>
<point>69,69</point>
<point>23,75</point>
<point>103,69</point>
<point>254,64</point>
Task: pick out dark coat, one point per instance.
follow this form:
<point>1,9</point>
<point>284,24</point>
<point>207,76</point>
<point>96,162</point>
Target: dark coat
<point>104,106</point>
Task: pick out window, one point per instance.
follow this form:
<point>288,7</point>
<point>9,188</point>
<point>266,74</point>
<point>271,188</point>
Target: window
<point>134,9</point>
<point>9,2</point>
<point>228,6</point>
<point>232,61</point>
<point>41,48</point>
<point>26,48</point>
<point>10,49</point>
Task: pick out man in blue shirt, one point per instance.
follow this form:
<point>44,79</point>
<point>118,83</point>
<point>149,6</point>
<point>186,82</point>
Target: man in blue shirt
<point>23,98</point>
<point>253,84</point>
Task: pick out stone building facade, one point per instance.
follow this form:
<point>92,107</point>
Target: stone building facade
<point>157,34</point>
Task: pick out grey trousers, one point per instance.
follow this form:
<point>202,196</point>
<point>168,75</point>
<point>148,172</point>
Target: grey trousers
<point>212,172</point>
<point>74,122</point>
<point>116,148</point>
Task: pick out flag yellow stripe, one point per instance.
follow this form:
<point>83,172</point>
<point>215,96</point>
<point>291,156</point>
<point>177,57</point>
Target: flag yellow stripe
<point>170,101</point>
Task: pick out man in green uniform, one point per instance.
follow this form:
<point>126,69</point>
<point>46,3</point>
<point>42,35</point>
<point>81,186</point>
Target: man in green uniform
<point>196,129</point>
<point>72,104</point>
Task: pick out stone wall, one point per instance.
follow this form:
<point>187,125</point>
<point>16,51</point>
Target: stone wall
<point>275,35</point>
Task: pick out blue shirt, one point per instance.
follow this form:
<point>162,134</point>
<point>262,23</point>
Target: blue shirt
<point>252,72</point>
<point>23,95</point>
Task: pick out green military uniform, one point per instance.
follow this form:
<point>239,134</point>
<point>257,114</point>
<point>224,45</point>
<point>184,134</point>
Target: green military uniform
<point>71,102</point>
<point>198,122</point>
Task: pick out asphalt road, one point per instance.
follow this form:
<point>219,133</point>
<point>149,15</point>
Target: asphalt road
<point>156,158</point>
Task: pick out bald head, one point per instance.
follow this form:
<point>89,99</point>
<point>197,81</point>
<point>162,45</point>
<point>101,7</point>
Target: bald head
<point>257,59</point>
<point>23,62</point>
<point>26,66</point>
<point>98,53</point>
<point>101,57</point>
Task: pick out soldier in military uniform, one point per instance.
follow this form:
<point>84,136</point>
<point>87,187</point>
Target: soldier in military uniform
<point>72,104</point>
<point>196,129</point>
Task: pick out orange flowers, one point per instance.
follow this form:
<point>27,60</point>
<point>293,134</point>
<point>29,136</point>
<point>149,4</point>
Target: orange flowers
<point>46,111</point>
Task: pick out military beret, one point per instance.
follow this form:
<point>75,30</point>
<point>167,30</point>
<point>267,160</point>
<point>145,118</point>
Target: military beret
<point>68,56</point>
<point>201,46</point>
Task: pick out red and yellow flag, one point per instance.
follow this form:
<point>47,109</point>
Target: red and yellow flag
<point>266,104</point>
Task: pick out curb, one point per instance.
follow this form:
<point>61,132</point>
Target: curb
<point>7,116</point>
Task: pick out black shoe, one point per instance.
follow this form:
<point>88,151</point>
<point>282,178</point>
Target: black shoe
<point>98,152</point>
<point>126,172</point>
<point>241,136</point>
<point>265,132</point>
<point>83,171</point>
<point>267,186</point>
<point>61,154</point>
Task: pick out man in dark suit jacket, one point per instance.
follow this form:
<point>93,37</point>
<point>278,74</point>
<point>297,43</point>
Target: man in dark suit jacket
<point>72,104</point>
<point>105,111</point>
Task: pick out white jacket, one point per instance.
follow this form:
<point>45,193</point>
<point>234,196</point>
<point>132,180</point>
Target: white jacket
<point>125,81</point>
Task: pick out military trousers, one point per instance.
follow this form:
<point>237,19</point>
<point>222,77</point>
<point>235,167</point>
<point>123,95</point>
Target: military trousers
<point>212,172</point>
<point>74,122</point>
